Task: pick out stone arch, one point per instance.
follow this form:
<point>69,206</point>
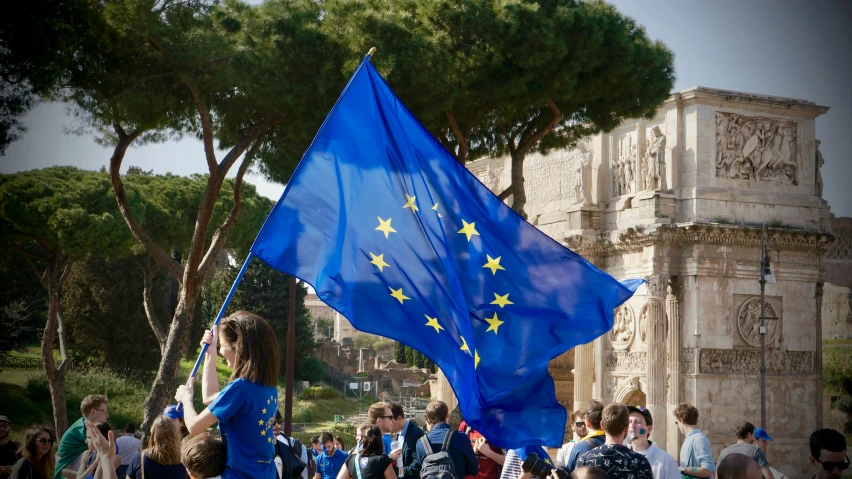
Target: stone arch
<point>635,392</point>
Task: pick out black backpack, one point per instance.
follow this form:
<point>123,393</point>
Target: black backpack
<point>438,465</point>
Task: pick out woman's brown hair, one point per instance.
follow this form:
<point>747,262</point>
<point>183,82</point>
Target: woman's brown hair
<point>258,358</point>
<point>46,465</point>
<point>164,443</point>
<point>372,444</point>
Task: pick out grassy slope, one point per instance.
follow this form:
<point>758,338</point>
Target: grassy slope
<point>25,398</point>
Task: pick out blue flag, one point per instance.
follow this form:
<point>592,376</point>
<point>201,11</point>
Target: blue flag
<point>396,235</point>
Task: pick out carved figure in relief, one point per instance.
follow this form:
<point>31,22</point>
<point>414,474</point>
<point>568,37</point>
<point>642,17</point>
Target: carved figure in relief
<point>493,176</point>
<point>748,322</point>
<point>655,160</point>
<point>622,329</point>
<point>755,149</point>
<point>819,161</point>
<point>622,178</point>
<point>615,181</point>
<point>580,179</point>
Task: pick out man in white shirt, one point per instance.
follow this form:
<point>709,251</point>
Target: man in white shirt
<point>579,430</point>
<point>641,423</point>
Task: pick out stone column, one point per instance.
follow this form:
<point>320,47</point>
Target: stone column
<point>598,387</point>
<point>584,374</point>
<point>818,353</point>
<point>445,391</point>
<point>655,311</point>
<point>673,296</point>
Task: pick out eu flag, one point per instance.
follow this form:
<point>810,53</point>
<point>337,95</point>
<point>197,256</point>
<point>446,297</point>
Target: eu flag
<point>396,235</point>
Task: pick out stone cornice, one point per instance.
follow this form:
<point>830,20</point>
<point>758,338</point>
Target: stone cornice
<point>734,99</point>
<point>636,239</point>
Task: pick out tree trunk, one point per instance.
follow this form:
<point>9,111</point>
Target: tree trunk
<point>164,387</point>
<point>55,375</point>
<point>519,195</point>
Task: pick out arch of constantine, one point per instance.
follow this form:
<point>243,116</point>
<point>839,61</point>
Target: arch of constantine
<point>680,200</point>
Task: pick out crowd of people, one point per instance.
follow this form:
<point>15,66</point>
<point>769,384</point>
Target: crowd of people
<point>612,441</point>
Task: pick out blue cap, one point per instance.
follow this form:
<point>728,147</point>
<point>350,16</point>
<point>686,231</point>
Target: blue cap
<point>172,412</point>
<point>760,433</point>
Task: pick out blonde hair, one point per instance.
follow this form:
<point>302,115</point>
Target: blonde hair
<point>164,443</point>
<point>46,465</point>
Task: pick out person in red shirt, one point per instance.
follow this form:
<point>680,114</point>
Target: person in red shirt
<point>489,457</point>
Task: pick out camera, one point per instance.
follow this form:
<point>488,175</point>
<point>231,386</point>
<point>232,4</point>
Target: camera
<point>540,469</point>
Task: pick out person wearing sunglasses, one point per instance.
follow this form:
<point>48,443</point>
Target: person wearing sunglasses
<point>95,409</point>
<point>37,461</point>
<point>828,454</point>
<point>579,431</point>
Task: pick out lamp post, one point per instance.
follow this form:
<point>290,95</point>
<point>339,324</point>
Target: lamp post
<point>765,277</point>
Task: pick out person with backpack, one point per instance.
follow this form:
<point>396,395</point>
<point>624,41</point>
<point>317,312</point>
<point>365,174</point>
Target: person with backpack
<point>302,463</point>
<point>371,462</point>
<point>444,453</point>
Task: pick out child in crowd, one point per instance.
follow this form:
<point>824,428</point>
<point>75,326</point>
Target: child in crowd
<point>203,455</point>
<point>245,408</point>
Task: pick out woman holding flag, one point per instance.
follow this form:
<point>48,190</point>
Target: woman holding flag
<point>245,408</point>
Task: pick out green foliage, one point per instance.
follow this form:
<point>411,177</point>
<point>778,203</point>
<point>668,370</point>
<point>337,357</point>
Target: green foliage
<point>371,341</point>
<point>312,370</point>
<point>399,352</point>
<point>30,403</point>
<point>843,404</point>
<point>63,208</point>
<point>167,208</point>
<point>102,304</point>
<point>265,291</point>
<point>320,393</point>
<point>34,40</point>
<point>497,76</point>
<point>22,301</point>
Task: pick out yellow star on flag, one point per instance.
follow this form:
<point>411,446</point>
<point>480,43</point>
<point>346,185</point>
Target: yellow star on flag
<point>493,264</point>
<point>436,209</point>
<point>268,439</point>
<point>263,410</point>
<point>379,261</point>
<point>501,300</point>
<point>397,293</point>
<point>260,422</point>
<point>433,322</point>
<point>493,323</point>
<point>475,359</point>
<point>385,227</point>
<point>263,432</point>
<point>410,203</point>
<point>469,229</point>
<point>464,345</point>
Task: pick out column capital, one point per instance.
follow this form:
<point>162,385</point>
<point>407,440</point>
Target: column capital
<point>657,285</point>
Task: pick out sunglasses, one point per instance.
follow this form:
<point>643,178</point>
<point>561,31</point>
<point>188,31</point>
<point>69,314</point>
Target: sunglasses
<point>45,441</point>
<point>830,466</point>
<point>579,424</point>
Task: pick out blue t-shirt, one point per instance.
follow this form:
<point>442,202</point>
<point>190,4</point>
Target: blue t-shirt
<point>245,412</point>
<point>329,466</point>
<point>152,469</point>
<point>387,440</point>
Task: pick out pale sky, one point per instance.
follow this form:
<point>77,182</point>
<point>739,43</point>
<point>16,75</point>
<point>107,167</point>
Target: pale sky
<point>791,48</point>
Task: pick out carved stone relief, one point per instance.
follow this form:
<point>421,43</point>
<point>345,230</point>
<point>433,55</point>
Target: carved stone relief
<point>654,161</point>
<point>756,149</point>
<point>624,168</point>
<point>748,322</point>
<point>643,324</point>
<point>559,175</point>
<point>615,386</point>
<point>687,361</point>
<point>624,361</point>
<point>747,361</point>
<point>621,334</point>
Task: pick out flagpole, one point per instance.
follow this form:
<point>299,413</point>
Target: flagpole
<point>291,358</point>
<point>222,312</point>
